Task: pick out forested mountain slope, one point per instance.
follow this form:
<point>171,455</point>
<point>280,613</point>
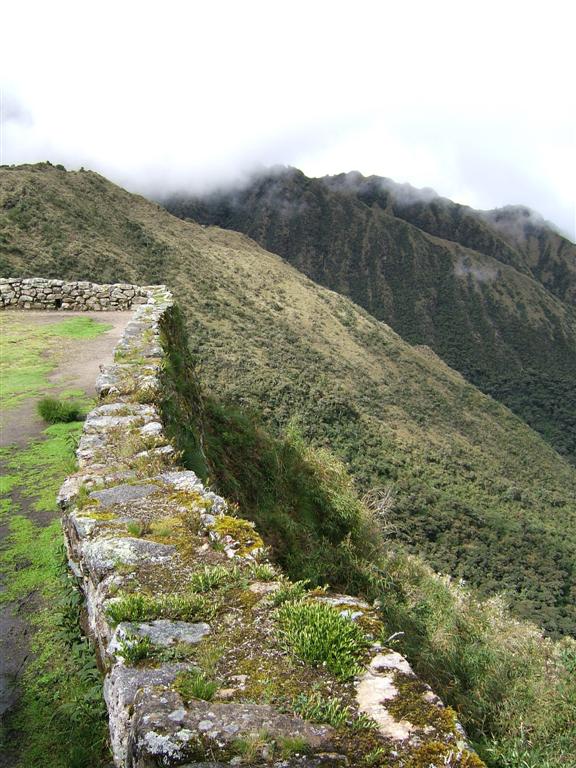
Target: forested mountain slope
<point>475,490</point>
<point>489,292</point>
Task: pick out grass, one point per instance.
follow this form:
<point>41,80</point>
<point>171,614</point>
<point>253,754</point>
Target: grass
<point>57,411</point>
<point>212,577</point>
<point>81,328</point>
<point>40,467</point>
<point>318,709</point>
<point>193,684</point>
<point>319,635</point>
<point>290,592</point>
<point>61,711</point>
<point>138,607</point>
<point>134,649</point>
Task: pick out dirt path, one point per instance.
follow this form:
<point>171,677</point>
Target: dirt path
<point>77,362</point>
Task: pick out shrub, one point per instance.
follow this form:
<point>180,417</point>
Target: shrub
<point>319,634</point>
<point>56,411</point>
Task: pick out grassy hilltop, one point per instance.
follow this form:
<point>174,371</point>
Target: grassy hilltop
<point>476,491</point>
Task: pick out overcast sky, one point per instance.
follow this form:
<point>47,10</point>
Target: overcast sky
<point>474,99</point>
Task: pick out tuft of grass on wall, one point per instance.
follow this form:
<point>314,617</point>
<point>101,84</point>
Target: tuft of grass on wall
<point>320,635</point>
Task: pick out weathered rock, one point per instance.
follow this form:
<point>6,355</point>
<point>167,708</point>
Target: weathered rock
<point>120,688</point>
<point>162,632</point>
<point>102,556</point>
<point>167,731</point>
<point>122,494</point>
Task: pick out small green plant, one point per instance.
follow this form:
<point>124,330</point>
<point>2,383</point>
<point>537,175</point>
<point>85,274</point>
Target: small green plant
<point>317,709</point>
<point>291,592</point>
<point>288,746</point>
<point>263,572</point>
<point>56,411</point>
<point>137,528</point>
<point>318,634</point>
<point>195,685</point>
<point>146,608</point>
<point>256,745</point>
<point>212,577</point>
<point>83,498</point>
<point>133,648</point>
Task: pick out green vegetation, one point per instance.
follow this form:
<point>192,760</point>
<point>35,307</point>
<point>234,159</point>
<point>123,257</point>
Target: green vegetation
<point>290,592</point>
<point>319,634</point>
<point>212,577</point>
<point>512,688</point>
<point>39,468</point>
<point>194,685</point>
<point>61,711</point>
<point>82,328</point>
<point>317,709</point>
<point>263,572</point>
<point>252,748</point>
<point>138,607</point>
<point>54,410</point>
<point>134,648</point>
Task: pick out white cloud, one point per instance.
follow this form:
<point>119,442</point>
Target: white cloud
<point>473,99</point>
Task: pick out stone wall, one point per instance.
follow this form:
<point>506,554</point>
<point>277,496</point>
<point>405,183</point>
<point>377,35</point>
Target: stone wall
<point>188,615</point>
<point>39,293</point>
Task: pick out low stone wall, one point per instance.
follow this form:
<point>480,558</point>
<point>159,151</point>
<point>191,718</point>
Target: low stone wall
<point>40,293</point>
<point>188,615</point>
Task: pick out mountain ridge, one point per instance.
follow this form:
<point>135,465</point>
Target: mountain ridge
<point>490,318</point>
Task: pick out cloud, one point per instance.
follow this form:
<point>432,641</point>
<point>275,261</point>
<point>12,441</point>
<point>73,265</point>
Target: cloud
<point>198,95</point>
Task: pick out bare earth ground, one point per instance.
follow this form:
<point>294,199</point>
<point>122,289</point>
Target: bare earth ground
<point>77,363</point>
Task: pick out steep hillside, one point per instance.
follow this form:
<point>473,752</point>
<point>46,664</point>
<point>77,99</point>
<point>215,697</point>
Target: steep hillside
<point>440,274</point>
<point>474,489</point>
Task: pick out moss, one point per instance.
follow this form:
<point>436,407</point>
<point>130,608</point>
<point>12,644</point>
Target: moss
<point>435,753</point>
<point>92,514</point>
<point>411,705</point>
<point>242,531</point>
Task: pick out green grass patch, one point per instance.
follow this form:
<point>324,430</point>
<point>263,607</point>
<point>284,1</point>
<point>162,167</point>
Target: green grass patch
<point>42,465</point>
<point>148,608</point>
<point>79,328</point>
<point>195,685</point>
<point>54,410</point>
<point>61,715</point>
<point>320,635</point>
<point>134,649</point>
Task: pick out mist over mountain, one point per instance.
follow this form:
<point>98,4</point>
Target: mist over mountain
<point>491,292</point>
